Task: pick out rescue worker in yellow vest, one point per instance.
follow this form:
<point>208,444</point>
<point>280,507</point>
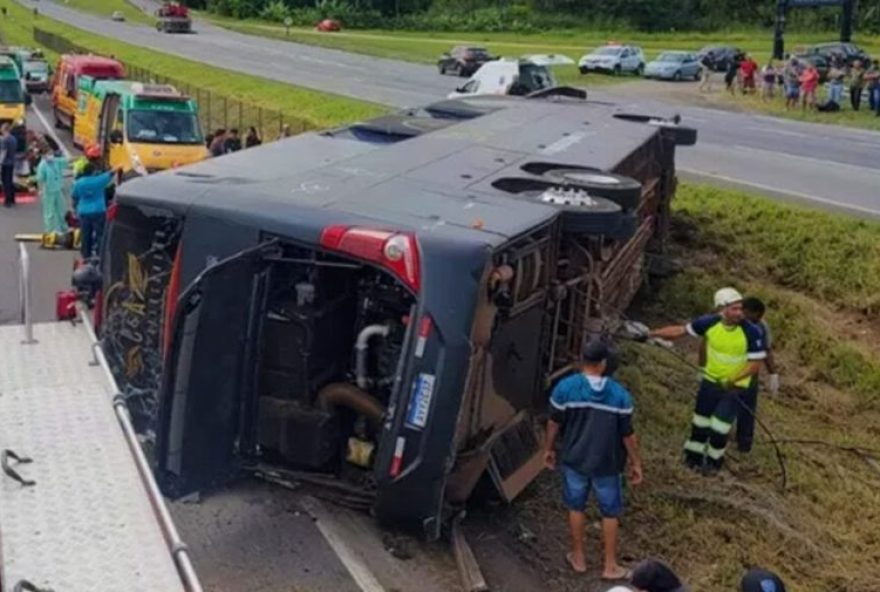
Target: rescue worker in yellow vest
<point>734,351</point>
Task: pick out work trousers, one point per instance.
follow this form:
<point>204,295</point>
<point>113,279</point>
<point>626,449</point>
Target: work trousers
<point>92,232</point>
<point>7,176</point>
<point>855,97</point>
<point>714,415</point>
<point>746,410</point>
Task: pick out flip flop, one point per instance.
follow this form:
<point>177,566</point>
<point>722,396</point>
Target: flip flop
<point>570,559</point>
<point>626,574</point>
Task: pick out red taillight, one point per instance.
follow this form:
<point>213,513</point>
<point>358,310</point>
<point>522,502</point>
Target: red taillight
<point>171,295</point>
<point>111,212</point>
<point>397,252</point>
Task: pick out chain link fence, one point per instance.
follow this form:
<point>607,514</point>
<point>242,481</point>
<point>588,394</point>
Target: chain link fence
<point>216,110</point>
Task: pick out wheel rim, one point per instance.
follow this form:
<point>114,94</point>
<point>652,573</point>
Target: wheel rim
<point>594,178</point>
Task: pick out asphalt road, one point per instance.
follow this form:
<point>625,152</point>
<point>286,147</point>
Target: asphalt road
<point>828,166</point>
<point>50,270</point>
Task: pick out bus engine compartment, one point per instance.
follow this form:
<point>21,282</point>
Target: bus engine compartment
<point>330,342</point>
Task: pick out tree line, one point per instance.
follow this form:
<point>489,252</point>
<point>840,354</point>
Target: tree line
<point>536,15</point>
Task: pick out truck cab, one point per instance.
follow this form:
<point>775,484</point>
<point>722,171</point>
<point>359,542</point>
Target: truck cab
<point>65,83</point>
<point>380,309</point>
<point>13,100</point>
<point>516,77</point>
<point>141,128</point>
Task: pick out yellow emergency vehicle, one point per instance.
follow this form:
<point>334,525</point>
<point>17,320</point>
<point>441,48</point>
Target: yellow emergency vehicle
<point>140,128</point>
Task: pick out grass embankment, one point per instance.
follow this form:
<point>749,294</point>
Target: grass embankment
<point>314,109</point>
<point>106,8</point>
<point>820,277</point>
<point>864,118</point>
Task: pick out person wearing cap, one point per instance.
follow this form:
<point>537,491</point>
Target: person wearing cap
<point>734,351</point>
<point>92,154</point>
<point>761,580</point>
<point>594,414</point>
<point>652,575</point>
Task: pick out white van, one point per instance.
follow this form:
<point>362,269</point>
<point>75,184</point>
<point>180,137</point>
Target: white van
<point>507,76</point>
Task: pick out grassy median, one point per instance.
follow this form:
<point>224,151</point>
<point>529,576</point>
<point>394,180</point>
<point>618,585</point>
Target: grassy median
<point>106,8</point>
<point>315,109</point>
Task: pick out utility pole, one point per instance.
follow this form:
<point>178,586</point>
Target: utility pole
<point>779,30</point>
<point>846,21</point>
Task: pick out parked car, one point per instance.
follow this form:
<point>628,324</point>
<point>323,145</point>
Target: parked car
<point>614,59</point>
<point>519,77</point>
<point>674,65</point>
<point>117,16</point>
<point>849,52</point>
<point>463,60</point>
<point>720,56</point>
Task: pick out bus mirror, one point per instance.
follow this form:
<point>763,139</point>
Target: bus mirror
<point>27,99</point>
<point>116,137</point>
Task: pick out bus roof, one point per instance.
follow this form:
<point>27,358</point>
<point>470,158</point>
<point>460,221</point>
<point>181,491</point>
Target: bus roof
<point>94,65</point>
<point>439,179</point>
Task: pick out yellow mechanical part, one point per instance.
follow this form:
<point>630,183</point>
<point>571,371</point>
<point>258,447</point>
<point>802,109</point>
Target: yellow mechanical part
<point>360,452</point>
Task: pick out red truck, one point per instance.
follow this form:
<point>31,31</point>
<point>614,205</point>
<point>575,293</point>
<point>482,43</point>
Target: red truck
<point>173,18</point>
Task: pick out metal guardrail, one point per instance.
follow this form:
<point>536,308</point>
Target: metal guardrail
<point>178,549</point>
<point>24,294</point>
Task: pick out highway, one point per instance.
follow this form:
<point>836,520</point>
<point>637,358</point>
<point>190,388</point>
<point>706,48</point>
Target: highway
<point>831,167</point>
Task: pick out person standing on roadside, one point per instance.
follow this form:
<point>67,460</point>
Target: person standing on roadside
<point>218,143</point>
<point>8,150</point>
<point>747,69</point>
<point>856,84</point>
<point>768,81</point>
<point>835,89</point>
<point>252,138</point>
<point>734,351</point>
<point>91,207</point>
<point>233,142</point>
<point>731,73</point>
<point>872,83</point>
<point>809,79</point>
<point>594,414</point>
<point>706,66</point>
<point>50,182</point>
<point>792,82</point>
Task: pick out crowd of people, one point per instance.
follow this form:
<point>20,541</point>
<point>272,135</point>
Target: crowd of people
<point>590,436</point>
<point>223,141</point>
<point>797,80</point>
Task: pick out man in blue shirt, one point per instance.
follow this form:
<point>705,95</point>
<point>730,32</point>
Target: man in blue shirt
<point>8,150</point>
<point>91,208</point>
<point>594,415</point>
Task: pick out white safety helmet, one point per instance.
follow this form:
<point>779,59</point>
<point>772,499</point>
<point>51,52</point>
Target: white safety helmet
<point>620,589</point>
<point>726,297</point>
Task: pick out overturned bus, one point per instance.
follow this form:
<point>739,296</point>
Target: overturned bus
<point>382,305</point>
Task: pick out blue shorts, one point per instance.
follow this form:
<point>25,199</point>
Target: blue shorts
<point>792,91</point>
<point>576,489</point>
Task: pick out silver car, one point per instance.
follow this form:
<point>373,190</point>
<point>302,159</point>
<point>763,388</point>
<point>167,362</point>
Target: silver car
<point>674,65</point>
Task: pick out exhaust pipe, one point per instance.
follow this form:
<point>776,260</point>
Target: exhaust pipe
<point>340,394</point>
<point>362,348</point>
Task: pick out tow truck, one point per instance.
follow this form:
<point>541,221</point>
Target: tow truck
<point>173,17</point>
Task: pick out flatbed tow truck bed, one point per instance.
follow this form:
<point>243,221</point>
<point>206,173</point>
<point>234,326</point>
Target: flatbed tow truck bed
<point>82,515</point>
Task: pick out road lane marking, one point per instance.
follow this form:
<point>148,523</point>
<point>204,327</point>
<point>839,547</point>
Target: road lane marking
<point>50,129</point>
<point>358,570</point>
<point>779,132</point>
<point>780,191</point>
